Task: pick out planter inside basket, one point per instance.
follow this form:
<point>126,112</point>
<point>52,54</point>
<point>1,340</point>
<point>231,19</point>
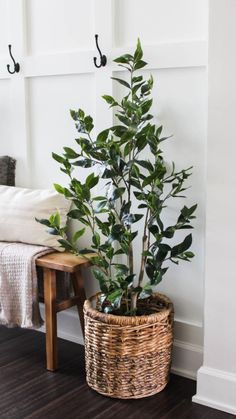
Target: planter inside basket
<point>128,338</point>
<point>129,357</point>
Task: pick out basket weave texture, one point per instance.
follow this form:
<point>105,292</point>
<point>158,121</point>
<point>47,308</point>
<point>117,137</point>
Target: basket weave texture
<point>129,357</point>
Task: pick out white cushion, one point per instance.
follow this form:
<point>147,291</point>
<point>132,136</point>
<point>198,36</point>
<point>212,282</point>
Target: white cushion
<point>18,209</point>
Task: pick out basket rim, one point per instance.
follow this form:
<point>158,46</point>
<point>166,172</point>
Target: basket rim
<point>129,320</point>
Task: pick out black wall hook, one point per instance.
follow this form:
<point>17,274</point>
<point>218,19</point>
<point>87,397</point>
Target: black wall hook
<point>16,65</point>
<point>103,58</point>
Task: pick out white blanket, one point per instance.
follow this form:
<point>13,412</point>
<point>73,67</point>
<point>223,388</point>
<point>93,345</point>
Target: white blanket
<point>19,304</point>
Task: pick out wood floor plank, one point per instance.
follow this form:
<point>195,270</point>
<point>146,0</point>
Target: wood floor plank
<point>29,391</point>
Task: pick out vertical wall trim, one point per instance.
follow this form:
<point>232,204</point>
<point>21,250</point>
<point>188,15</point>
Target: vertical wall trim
<point>19,99</point>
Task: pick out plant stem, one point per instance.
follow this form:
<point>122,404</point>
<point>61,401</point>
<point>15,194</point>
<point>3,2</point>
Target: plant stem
<point>144,248</point>
<point>131,259</point>
<point>134,298</point>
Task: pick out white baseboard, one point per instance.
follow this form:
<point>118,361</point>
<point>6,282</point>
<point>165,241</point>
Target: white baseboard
<point>187,350</point>
<point>68,326</point>
<point>187,359</point>
<point>216,389</point>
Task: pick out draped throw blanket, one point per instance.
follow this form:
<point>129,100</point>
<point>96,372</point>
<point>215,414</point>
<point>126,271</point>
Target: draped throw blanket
<point>19,304</point>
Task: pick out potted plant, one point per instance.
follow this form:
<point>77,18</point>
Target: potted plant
<point>129,333</point>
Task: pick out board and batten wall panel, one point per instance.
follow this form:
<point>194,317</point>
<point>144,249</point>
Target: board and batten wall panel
<point>54,43</point>
<point>159,21</point>
<point>51,126</point>
<point>6,145</point>
<point>58,26</point>
<point>3,27</point>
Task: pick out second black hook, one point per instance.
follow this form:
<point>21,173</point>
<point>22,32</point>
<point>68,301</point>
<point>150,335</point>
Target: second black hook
<point>16,65</point>
<point>103,58</point>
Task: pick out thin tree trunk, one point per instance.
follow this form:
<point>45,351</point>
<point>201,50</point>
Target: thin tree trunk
<point>131,260</point>
<point>143,261</point>
<point>134,298</point>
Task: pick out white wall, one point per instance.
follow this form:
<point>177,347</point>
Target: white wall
<point>217,377</point>
<point>54,43</point>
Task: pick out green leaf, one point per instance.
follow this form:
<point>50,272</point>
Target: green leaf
<point>88,121</point>
<point>154,229</point>
<point>84,163</point>
<point>114,295</point>
<point>189,254</point>
<point>129,279</point>
<point>116,232</point>
<point>101,206</point>
<point>138,52</point>
<point>75,214</point>
<point>124,59</point>
<point>65,244</point>
<point>117,193</point>
<point>128,148</point>
<point>101,279</point>
<point>70,154</point>
<point>146,106</point>
<point>182,247</point>
<point>163,250</point>
<point>102,136</point>
<point>73,114</point>
<point>104,226</point>
<point>129,219</point>
<point>169,232</point>
<point>187,213</point>
<point>43,221</point>
<point>53,231</point>
<point>81,114</point>
<point>59,188</point>
<point>58,158</point>
<point>57,219</point>
<point>123,82</point>
<point>96,239</point>
<point>150,269</point>
<point>137,79</point>
<point>158,276</point>
<point>91,181</point>
<point>135,183</point>
<point>78,234</point>
<point>99,198</point>
<point>146,164</point>
<point>123,119</point>
<point>149,179</point>
<point>140,64</point>
<point>110,100</point>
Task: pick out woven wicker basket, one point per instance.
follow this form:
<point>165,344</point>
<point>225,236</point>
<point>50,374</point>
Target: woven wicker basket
<point>129,357</point>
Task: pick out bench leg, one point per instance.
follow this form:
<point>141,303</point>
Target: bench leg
<point>50,318</point>
<point>78,284</point>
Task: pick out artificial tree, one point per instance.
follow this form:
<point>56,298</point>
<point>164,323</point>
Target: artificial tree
<point>129,157</point>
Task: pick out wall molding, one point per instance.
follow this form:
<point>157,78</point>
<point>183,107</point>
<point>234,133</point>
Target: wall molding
<point>216,389</point>
<point>163,55</point>
<point>187,349</point>
<point>187,359</point>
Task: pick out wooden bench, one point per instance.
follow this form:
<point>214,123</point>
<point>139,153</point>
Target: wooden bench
<point>65,262</point>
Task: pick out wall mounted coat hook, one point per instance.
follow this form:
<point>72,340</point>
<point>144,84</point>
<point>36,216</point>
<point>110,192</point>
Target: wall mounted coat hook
<point>16,65</point>
<point>103,58</point>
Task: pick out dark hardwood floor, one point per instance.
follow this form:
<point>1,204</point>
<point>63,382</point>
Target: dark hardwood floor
<point>27,390</point>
